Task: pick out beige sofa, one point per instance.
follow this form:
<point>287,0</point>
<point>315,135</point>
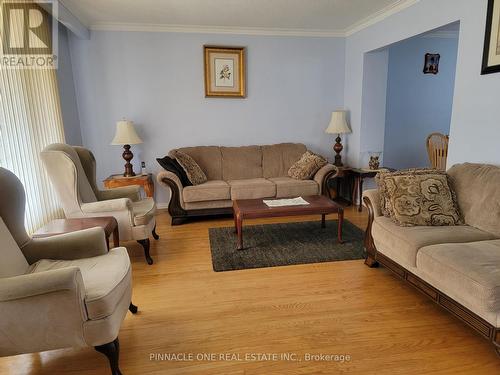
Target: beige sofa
<point>247,172</point>
<point>457,266</point>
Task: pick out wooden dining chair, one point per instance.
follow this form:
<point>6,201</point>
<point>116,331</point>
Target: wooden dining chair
<point>437,149</point>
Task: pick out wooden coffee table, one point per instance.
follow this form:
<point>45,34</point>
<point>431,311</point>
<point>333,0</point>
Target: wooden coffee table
<point>256,208</point>
<point>61,226</point>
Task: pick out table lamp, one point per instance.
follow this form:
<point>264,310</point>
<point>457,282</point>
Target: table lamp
<point>126,135</point>
<point>338,125</point>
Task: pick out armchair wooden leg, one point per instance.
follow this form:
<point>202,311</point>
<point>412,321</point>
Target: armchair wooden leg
<point>112,352</point>
<point>145,244</point>
<point>133,308</point>
<point>155,235</point>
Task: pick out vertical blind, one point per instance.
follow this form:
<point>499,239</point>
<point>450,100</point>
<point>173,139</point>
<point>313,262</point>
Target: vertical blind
<point>30,119</point>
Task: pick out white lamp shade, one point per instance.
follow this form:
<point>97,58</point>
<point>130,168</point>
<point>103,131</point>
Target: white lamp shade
<point>125,134</point>
<point>338,123</point>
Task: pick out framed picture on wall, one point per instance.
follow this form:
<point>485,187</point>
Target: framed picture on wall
<point>491,54</point>
<point>431,63</point>
<point>225,72</point>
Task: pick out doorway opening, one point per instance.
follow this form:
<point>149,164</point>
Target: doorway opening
<point>408,92</point>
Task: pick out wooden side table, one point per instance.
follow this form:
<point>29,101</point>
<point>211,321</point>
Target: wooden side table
<point>144,180</point>
<point>340,187</point>
<point>359,174</point>
<point>61,226</point>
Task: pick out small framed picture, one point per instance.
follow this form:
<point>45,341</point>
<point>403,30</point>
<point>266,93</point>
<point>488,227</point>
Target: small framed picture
<point>491,53</point>
<point>225,72</point>
<point>431,65</point>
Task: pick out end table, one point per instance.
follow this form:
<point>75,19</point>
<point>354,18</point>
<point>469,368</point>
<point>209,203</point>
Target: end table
<point>144,180</point>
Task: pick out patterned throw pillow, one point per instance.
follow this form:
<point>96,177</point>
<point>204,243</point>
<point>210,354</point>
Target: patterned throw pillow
<point>193,171</point>
<point>418,197</point>
<point>173,166</point>
<point>307,166</point>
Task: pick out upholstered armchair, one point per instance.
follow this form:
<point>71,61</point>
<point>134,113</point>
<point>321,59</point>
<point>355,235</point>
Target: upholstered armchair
<point>60,291</point>
<point>72,171</point>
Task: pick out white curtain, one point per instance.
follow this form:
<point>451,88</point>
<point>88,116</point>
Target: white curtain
<point>30,119</point>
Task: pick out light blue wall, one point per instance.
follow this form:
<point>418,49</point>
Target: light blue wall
<point>417,104</point>
<point>67,93</point>
<point>474,125</point>
<point>156,80</point>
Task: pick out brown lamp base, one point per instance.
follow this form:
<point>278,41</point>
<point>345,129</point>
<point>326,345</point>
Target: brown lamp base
<point>128,156</point>
<point>338,148</point>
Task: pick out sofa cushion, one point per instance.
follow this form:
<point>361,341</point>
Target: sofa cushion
<point>144,211</point>
<point>209,191</point>
<point>241,162</point>
<point>402,244</point>
<point>253,188</point>
<point>207,157</point>
<point>478,195</point>
<point>277,159</point>
<point>287,187</point>
<point>467,271</point>
<point>307,166</point>
<point>106,279</point>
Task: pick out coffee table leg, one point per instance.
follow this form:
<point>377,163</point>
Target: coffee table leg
<point>340,225</point>
<point>323,224</point>
<point>239,230</point>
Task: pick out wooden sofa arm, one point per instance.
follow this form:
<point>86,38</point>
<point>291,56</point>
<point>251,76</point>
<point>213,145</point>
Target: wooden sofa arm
<point>323,175</point>
<point>171,181</point>
<point>370,248</point>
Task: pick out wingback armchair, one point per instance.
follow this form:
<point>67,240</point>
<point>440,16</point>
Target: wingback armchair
<point>72,171</point>
<point>60,291</point>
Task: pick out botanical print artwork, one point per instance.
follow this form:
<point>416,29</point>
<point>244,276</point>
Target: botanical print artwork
<point>224,72</point>
<point>225,75</point>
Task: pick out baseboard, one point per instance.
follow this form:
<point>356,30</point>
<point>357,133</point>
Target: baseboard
<point>161,206</point>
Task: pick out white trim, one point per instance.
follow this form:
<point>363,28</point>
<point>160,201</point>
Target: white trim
<point>68,19</point>
<point>161,206</point>
<point>217,30</point>
<point>380,15</point>
<point>324,33</point>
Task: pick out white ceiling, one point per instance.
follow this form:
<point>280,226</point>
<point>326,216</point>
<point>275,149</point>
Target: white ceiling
<point>328,17</point>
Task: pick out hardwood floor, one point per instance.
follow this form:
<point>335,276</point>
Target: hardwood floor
<point>343,308</point>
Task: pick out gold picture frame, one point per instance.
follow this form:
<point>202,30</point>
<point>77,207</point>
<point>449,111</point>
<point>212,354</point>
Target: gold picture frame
<point>491,54</point>
<point>225,69</point>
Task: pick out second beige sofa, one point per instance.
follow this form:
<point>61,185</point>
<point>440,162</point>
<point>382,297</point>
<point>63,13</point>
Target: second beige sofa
<point>246,172</point>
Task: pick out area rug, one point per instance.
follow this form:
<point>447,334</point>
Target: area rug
<point>284,244</point>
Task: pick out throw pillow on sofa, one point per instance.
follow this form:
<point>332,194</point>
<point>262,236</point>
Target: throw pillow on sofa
<point>307,166</point>
<point>419,198</point>
<point>193,171</point>
<point>173,166</point>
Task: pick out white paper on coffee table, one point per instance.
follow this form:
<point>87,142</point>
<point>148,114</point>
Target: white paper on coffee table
<point>299,201</point>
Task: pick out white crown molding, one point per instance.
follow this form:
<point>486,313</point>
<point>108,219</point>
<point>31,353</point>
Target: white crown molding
<point>324,33</point>
<point>217,30</point>
<point>379,16</point>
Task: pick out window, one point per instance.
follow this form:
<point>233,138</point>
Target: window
<point>30,119</point>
